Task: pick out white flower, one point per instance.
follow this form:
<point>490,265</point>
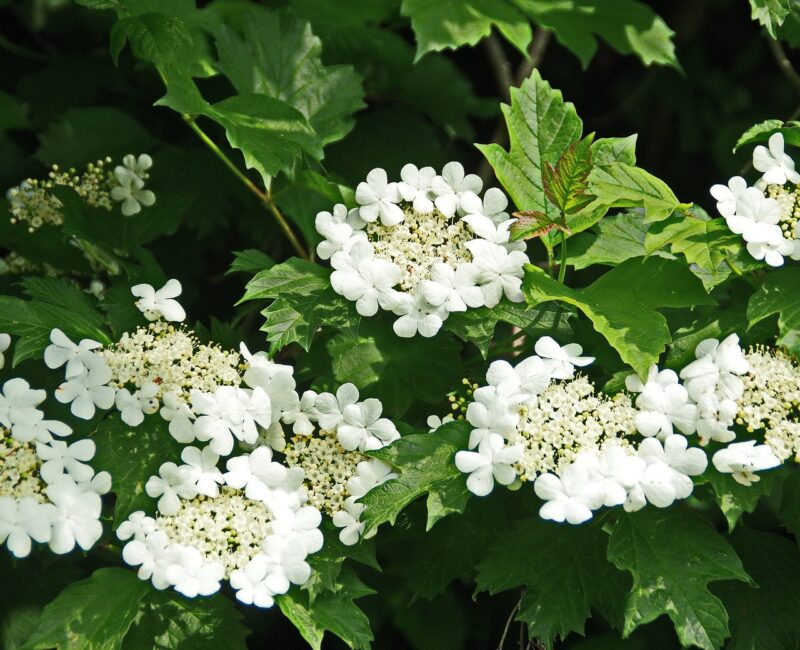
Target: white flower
<point>417,315</point>
<point>77,516</point>
<point>230,412</point>
<point>452,289</point>
<point>250,583</point>
<point>452,185</point>
<point>135,165</point>
<point>349,520</point>
<point>259,475</point>
<point>772,249</point>
<point>303,417</point>
<point>496,233</point>
<point>370,473</point>
<point>520,383</point>
<point>18,411</point>
<point>286,563</point>
<point>363,428</point>
<point>5,343</point>
<point>192,575</point>
<point>339,235</point>
<point>276,379</point>
<point>743,459</point>
<point>717,368</point>
<point>132,408</point>
<point>59,458</point>
<point>160,304</point>
<point>378,198</point>
<point>666,477</point>
<point>492,462</point>
<point>561,360</point>
<point>331,407</point>
<point>203,470</point>
<point>180,416</point>
<point>728,195</point>
<point>172,484</point>
<point>662,403</point>
<point>753,212</point>
<point>24,520</point>
<point>776,166</point>
<point>137,526</point>
<point>368,280</point>
<point>493,206</point>
<point>152,553</point>
<point>87,390</point>
<point>570,497</point>
<point>131,193</point>
<point>62,350</point>
<point>41,431</point>
<point>434,421</point>
<point>498,271</point>
<point>416,187</point>
<point>301,527</point>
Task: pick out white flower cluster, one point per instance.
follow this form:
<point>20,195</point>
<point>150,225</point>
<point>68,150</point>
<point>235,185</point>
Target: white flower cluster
<point>423,247</point>
<point>327,445</point>
<point>579,453</point>
<point>33,203</point>
<point>48,494</point>
<point>767,215</point>
<point>248,525</point>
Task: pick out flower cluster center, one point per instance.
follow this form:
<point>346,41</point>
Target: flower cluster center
<point>19,469</point>
<point>789,207</point>
<point>420,241</point>
<point>229,529</point>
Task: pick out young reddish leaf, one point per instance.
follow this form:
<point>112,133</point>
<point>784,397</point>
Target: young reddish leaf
<point>566,183</point>
<point>533,223</point>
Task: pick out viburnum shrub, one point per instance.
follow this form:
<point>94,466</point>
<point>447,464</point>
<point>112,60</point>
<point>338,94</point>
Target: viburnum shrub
<point>285,361</point>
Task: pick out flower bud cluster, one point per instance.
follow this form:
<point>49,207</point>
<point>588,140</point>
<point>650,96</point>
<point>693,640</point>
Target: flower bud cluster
<point>423,247</point>
<point>33,203</point>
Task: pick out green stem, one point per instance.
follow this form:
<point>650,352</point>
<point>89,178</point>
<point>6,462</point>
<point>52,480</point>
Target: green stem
<point>551,262</point>
<point>264,197</point>
<point>562,268</point>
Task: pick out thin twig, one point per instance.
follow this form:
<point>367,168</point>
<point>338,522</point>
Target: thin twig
<point>785,65</point>
<point>500,65</point>
<point>536,52</point>
<point>508,622</point>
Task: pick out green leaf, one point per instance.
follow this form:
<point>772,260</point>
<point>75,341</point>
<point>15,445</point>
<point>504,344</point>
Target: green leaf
<point>277,55</point>
<point>250,261</point>
<point>541,127</point>
<point>169,621</point>
<point>477,325</point>
<point>770,13</point>
<point>303,301</point>
<point>93,614</point>
<point>442,25</point>
<point>764,618</point>
<point>132,455</point>
<point>705,243</point>
<point>427,466</point>
<point>629,26</point>
<point>271,134</point>
<point>790,504</point>
<point>564,572</point>
<point>432,564</point>
<point>615,239</point>
<point>167,43</point>
<point>13,113</point>
<point>376,359</point>
<point>624,186</point>
<point>672,555</point>
<point>332,611</point>
<point>780,294</point>
<point>328,563</point>
<point>610,150</point>
<point>622,304</point>
<point>762,131</point>
<point>566,183</point>
<point>735,499</point>
<point>55,303</point>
